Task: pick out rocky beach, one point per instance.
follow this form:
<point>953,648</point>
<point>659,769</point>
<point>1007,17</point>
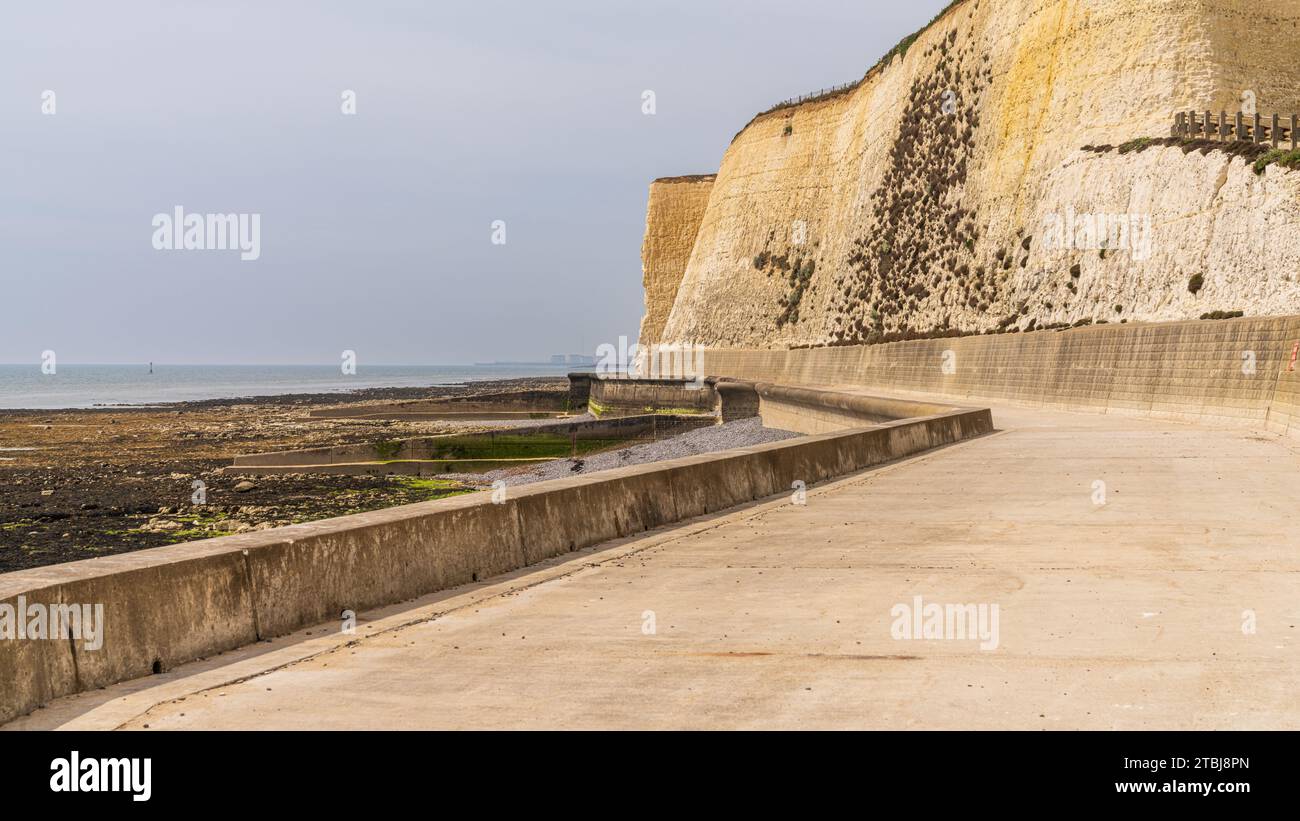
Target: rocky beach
<point>76,484</point>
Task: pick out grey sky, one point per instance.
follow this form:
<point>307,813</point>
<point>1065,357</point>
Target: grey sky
<point>375,227</point>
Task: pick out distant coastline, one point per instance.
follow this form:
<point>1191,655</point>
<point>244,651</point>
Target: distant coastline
<point>25,387</point>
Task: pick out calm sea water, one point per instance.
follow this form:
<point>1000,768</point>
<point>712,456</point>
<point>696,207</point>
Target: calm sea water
<point>84,386</point>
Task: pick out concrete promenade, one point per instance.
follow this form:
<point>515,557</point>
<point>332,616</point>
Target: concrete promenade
<point>1126,615</point>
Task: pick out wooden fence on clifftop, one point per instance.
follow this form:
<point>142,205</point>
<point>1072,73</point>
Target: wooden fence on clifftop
<point>824,93</point>
<point>1243,128</point>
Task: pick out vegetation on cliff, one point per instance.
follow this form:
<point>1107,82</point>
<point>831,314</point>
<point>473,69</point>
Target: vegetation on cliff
<point>1260,155</point>
<point>920,241</point>
<point>899,50</point>
<point>906,42</point>
<point>947,195</point>
<point>796,270</point>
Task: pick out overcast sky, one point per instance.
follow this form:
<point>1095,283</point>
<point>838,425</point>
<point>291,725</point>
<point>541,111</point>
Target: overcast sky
<point>376,228</point>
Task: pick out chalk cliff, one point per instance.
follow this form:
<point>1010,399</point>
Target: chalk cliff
<point>957,186</point>
<point>673,216</point>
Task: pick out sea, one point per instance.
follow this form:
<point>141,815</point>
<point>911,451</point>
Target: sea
<point>88,386</point>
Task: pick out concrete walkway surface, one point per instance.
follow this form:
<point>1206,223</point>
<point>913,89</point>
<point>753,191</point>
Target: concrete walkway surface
<point>1145,575</point>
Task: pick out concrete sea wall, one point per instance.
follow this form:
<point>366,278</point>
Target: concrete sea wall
<point>611,396</point>
<point>169,605</point>
<point>1238,371</point>
<point>535,441</point>
<point>808,410</point>
<point>487,406</point>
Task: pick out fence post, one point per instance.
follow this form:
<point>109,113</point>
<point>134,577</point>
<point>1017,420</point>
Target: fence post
<point>1274,131</point>
<point>1209,118</point>
<point>1241,134</point>
<point>1255,136</point>
<point>1295,138</point>
<point>1224,131</point>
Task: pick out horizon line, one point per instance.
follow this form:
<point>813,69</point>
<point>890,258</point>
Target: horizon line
<point>37,365</point>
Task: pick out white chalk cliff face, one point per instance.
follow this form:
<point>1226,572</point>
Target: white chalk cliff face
<point>928,197</point>
<point>673,215</point>
<point>1205,215</point>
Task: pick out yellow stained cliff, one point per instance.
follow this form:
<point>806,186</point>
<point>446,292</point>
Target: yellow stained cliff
<point>931,198</point>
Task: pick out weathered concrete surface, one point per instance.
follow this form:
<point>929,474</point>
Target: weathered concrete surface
<point>1127,615</point>
<point>613,397</point>
<point>170,605</point>
<point>810,410</point>
<point>505,405</point>
<point>1241,371</point>
<point>500,444</point>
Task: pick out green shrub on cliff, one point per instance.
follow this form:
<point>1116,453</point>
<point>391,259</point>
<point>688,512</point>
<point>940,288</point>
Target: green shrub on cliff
<point>1223,315</point>
<point>1139,145</point>
<point>1280,157</point>
<point>906,42</point>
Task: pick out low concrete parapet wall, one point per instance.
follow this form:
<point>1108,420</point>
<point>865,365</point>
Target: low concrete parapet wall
<point>618,396</point>
<point>169,605</point>
<point>415,468</point>
<point>579,389</point>
<point>485,414</point>
<point>495,444</point>
<point>809,410</point>
<point>508,404</point>
<point>1284,412</point>
<point>736,400</point>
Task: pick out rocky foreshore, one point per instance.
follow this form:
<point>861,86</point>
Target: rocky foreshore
<point>75,484</point>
